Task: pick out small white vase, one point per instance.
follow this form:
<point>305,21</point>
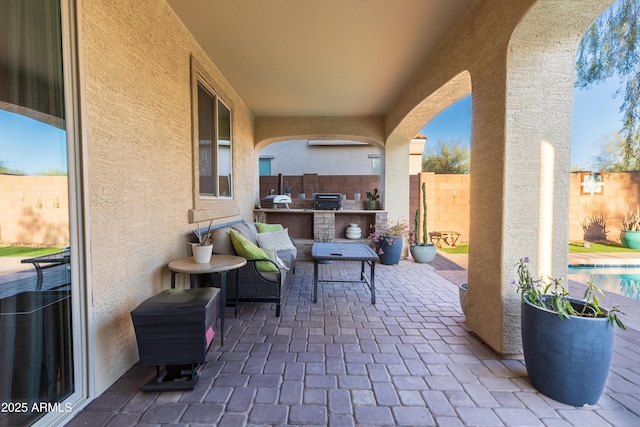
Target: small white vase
<point>201,254</point>
<point>353,232</point>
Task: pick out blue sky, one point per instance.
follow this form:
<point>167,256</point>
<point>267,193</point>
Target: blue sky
<point>595,115</point>
<point>31,146</point>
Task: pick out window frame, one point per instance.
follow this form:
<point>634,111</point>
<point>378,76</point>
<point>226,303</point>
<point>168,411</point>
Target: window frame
<point>205,206</point>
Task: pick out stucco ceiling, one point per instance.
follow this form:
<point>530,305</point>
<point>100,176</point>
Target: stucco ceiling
<point>319,57</point>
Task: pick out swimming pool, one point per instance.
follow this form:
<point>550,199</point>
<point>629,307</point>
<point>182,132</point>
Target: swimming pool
<point>622,280</point>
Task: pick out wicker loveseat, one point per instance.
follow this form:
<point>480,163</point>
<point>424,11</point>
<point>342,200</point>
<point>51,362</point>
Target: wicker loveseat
<point>262,279</point>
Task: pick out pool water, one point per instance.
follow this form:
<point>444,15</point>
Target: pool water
<point>623,281</point>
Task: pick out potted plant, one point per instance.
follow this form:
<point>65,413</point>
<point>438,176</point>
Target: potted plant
<point>203,248</point>
<point>462,297</point>
<point>630,234</point>
<point>422,251</point>
<point>567,343</point>
<point>288,188</point>
<point>387,239</point>
<point>372,199</point>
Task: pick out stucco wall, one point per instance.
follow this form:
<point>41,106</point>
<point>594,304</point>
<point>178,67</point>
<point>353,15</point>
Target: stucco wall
<point>135,57</point>
<point>320,159</point>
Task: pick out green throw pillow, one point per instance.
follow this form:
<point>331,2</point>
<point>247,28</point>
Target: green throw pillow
<point>246,249</point>
<point>268,228</point>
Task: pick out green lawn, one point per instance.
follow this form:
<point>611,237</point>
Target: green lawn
<point>462,249</point>
<point>599,247</point>
<point>573,248</point>
<point>26,251</point>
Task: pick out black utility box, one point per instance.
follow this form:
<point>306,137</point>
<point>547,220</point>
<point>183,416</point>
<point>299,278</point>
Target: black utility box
<point>176,327</point>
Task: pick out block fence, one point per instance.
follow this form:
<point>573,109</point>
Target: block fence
<point>35,209</point>
<point>593,216</point>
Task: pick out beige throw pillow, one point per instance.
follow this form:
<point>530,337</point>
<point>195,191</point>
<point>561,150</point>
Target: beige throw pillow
<point>277,240</point>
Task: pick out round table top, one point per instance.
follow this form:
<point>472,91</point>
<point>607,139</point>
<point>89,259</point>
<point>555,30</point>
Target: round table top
<point>217,264</point>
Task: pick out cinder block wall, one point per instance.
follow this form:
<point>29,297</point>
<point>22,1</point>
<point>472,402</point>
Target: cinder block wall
<point>314,183</point>
<point>448,200</point>
<point>447,203</point>
<point>34,210</point>
<point>619,192</point>
<point>23,221</point>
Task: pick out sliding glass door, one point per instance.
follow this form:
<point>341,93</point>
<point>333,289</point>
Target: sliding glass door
<point>36,254</point>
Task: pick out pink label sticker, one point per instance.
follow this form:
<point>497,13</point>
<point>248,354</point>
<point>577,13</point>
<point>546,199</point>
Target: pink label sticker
<point>209,335</point>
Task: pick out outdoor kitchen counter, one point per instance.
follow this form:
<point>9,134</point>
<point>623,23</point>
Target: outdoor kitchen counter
<point>318,225</point>
<point>311,210</point>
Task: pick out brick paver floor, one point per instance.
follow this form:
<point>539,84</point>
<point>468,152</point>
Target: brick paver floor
<point>409,360</point>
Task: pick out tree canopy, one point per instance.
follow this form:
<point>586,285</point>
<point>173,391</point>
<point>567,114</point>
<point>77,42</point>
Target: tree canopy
<point>611,47</point>
<point>446,157</point>
<point>6,170</point>
<point>610,157</point>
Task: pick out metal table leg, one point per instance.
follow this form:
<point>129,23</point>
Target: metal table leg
<point>373,281</point>
<point>223,302</point>
<point>315,281</point>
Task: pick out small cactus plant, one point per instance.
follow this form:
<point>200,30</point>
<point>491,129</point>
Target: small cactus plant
<point>424,218</point>
<point>422,251</point>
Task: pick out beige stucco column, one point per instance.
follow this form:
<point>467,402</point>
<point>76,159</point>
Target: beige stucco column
<point>416,148</point>
<point>395,180</point>
<point>520,205</point>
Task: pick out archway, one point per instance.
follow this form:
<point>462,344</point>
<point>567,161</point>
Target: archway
<point>396,180</point>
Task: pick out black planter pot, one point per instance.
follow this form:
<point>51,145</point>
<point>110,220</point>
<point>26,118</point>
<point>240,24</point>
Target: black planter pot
<point>567,360</point>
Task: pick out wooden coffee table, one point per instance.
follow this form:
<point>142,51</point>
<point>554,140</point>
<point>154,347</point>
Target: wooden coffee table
<point>331,251</point>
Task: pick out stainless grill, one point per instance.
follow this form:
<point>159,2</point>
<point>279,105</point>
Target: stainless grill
<point>328,201</point>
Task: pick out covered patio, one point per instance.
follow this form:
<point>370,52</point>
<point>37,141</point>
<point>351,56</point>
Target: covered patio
<point>410,359</point>
<point>130,78</point>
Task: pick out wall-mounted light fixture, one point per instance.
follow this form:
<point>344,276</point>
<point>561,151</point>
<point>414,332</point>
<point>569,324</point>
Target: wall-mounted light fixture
<point>39,202</point>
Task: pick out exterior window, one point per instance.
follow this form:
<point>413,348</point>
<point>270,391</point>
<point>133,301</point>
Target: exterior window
<point>213,185</point>
<point>214,145</point>
<point>265,166</point>
<point>375,165</point>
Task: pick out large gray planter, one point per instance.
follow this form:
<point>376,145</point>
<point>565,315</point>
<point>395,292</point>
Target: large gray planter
<point>462,295</point>
<point>567,359</point>
<point>423,253</point>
